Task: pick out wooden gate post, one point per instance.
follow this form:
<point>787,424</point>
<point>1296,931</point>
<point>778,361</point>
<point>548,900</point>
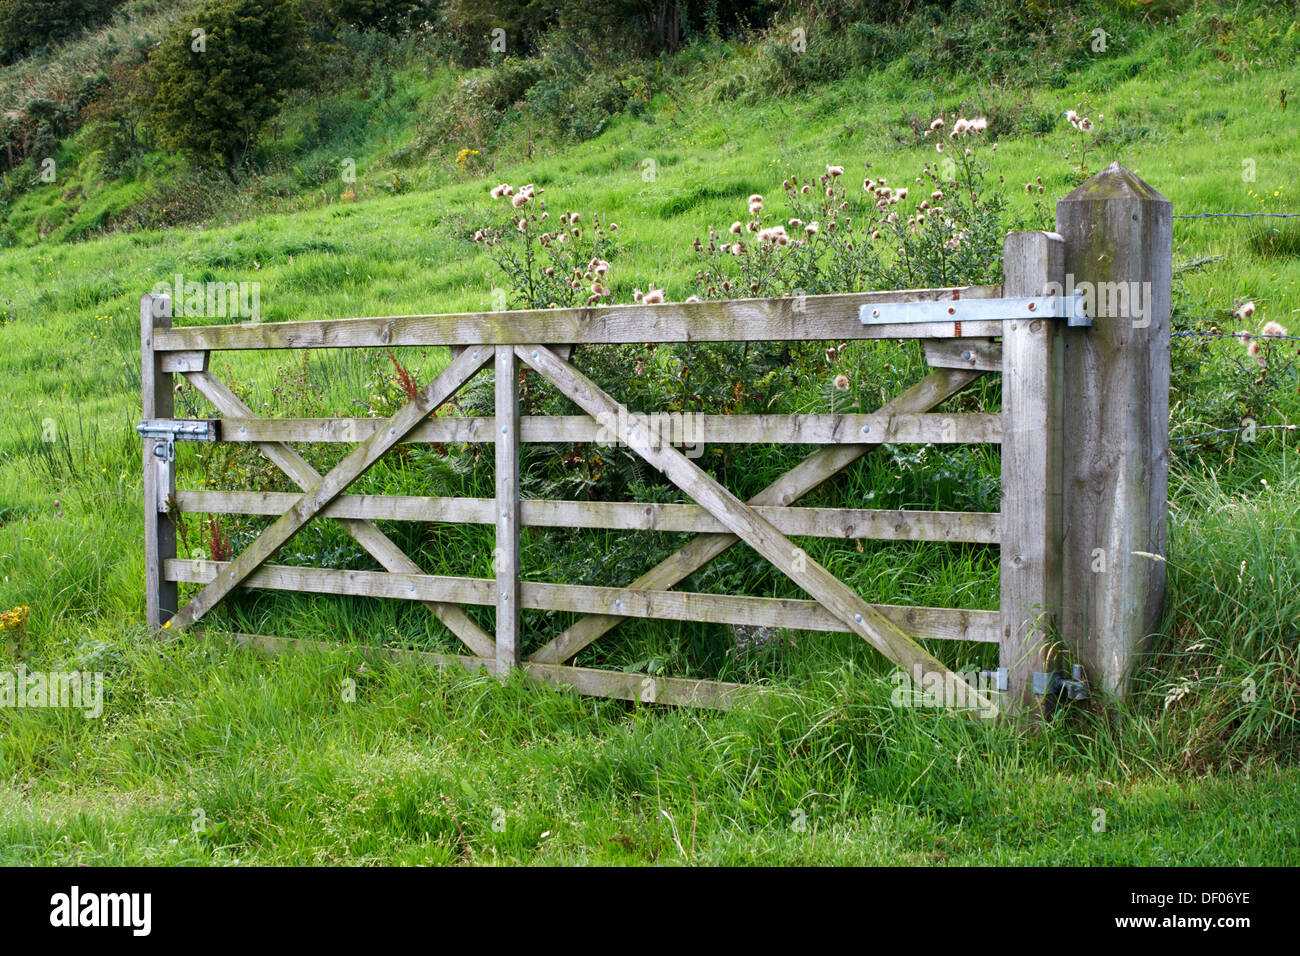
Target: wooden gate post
<point>160,595</point>
<point>1119,252</point>
<point>1031,468</point>
<point>506,557</point>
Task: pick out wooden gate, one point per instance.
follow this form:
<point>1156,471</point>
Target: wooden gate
<point>1015,329</point>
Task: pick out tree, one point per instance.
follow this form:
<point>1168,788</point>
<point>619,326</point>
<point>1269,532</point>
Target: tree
<point>221,74</point>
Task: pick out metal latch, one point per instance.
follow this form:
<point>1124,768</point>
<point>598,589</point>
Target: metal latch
<point>1065,307</point>
<point>1054,682</point>
<point>167,431</point>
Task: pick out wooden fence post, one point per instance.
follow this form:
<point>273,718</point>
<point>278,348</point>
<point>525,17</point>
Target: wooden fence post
<point>506,557</point>
<point>1031,468</point>
<point>1119,252</point>
<point>160,595</point>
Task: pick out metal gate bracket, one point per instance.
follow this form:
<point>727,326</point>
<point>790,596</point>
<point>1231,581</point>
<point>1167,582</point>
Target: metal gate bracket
<point>1069,308</point>
<point>1054,682</point>
<point>167,431</point>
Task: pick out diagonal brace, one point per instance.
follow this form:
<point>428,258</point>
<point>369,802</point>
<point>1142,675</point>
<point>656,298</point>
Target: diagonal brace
<point>333,484</point>
<point>832,593</point>
<point>808,475</point>
<point>365,533</point>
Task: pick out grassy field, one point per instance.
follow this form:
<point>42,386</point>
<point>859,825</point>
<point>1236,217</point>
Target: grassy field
<point>211,755</point>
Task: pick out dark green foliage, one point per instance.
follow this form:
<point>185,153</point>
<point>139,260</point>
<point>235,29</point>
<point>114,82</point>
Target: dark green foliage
<point>390,16</point>
<point>210,102</point>
<point>29,26</point>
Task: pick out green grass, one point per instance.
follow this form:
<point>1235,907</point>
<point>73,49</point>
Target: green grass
<point>284,769</point>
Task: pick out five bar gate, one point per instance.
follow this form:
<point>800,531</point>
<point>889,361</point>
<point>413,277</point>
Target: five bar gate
<point>1015,329</point>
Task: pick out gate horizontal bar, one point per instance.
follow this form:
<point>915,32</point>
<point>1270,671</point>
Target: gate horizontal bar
<point>591,681</point>
<point>979,527</point>
<point>801,318</point>
<point>678,429</point>
<point>787,613</point>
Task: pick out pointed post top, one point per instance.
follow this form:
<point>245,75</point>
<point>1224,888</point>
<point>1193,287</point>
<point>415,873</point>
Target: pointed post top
<point>1114,182</point>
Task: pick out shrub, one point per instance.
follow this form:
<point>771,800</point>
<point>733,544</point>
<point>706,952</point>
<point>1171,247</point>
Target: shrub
<point>28,26</point>
<point>210,101</point>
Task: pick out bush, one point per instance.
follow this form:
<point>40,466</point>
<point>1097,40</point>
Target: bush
<point>28,26</point>
<point>214,92</point>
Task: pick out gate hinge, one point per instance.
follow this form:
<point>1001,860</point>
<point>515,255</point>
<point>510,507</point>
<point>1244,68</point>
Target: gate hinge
<point>1065,307</point>
<point>167,431</point>
<point>1055,682</point>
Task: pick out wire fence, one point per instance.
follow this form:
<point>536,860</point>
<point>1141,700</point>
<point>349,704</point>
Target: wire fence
<point>1239,215</point>
<point>1250,427</point>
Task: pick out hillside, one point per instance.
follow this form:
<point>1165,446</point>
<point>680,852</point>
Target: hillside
<point>413,769</point>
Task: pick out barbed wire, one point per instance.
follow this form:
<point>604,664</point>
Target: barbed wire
<point>1234,431</point>
<point>1199,333</point>
<point>1233,335</point>
<point>1239,215</point>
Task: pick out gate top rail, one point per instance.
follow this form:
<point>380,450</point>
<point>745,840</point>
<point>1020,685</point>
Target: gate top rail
<point>801,318</point>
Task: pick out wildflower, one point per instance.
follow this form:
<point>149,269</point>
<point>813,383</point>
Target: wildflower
<point>938,147</point>
<point>842,382</point>
<point>1273,330</point>
<point>960,127</point>
<point>835,171</point>
<point>754,198</point>
<point>1085,124</point>
<point>1073,117</point>
<point>901,193</point>
<point>692,298</point>
<point>498,191</point>
<point>1245,310</point>
<point>755,208</point>
<point>613,227</point>
<point>936,123</point>
<point>978,125</point>
<point>736,227</point>
<point>523,225</point>
<point>653,296</point>
<point>519,200</point>
<point>796,223</point>
<point>811,229</point>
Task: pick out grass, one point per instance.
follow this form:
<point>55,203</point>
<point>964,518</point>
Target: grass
<point>424,767</point>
